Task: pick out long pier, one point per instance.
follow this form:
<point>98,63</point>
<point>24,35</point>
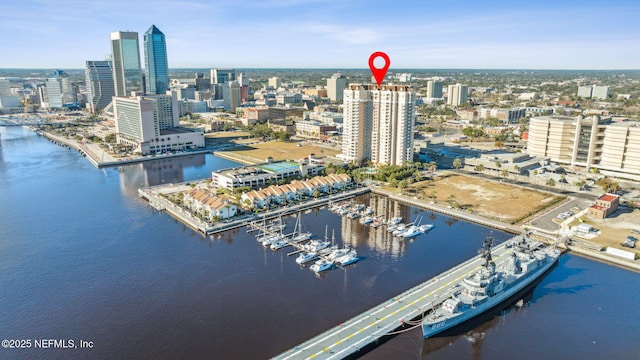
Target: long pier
<point>351,336</point>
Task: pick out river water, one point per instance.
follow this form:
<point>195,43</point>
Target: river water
<point>82,257</point>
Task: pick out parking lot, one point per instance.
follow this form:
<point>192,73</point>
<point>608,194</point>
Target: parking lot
<point>551,220</point>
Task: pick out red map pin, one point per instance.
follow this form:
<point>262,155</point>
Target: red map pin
<point>379,74</point>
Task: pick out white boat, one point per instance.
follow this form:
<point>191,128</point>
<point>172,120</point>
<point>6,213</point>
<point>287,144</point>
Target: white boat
<point>368,210</point>
<point>400,229</point>
<point>348,258</point>
<point>302,237</point>
<point>271,240</point>
<point>321,265</point>
<point>376,223</point>
<point>392,228</point>
<point>394,220</point>
<point>359,207</point>
<point>425,227</point>
<point>316,245</point>
<point>306,257</point>
<point>412,231</point>
<point>366,220</point>
<point>279,244</point>
<point>353,215</point>
<point>337,253</point>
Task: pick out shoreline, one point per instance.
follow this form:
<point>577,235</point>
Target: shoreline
<point>199,225</point>
<point>95,160</point>
<point>548,238</point>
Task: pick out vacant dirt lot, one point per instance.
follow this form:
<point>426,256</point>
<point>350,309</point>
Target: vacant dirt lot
<point>615,229</point>
<point>280,150</point>
<point>496,200</point>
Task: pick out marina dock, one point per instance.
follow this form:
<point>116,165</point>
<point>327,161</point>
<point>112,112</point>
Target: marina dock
<point>351,336</point>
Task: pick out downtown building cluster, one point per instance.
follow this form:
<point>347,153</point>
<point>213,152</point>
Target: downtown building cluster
<point>145,111</point>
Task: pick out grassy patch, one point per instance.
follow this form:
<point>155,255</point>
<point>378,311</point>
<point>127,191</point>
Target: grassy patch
<point>280,150</point>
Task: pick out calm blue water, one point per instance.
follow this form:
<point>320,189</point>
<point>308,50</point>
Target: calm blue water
<point>82,257</point>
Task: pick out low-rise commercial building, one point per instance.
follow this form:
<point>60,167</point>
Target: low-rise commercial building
<point>261,175</point>
<point>605,205</point>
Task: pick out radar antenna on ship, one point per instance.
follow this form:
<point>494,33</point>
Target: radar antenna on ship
<point>487,244</point>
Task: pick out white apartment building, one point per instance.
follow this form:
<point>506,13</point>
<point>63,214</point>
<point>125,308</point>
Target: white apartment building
<point>593,92</point>
<point>592,142</point>
<point>457,94</point>
<point>378,124</point>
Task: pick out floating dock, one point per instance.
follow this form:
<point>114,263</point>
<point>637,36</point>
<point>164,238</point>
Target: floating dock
<point>351,336</point>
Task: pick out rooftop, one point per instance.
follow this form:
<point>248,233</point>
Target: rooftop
<point>283,166</point>
<point>608,197</point>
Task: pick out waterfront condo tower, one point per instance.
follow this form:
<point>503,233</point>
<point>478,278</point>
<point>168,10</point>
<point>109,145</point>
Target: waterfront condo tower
<point>99,83</point>
<point>378,124</point>
<point>127,74</point>
<point>156,68</point>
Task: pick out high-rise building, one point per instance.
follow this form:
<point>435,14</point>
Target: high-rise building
<point>127,73</point>
<point>457,94</point>
<point>584,92</point>
<point>593,92</point>
<point>335,87</point>
<point>600,92</point>
<point>5,87</point>
<point>156,67</point>
<point>378,123</point>
<point>99,83</point>
<point>586,142</point>
<point>202,83</point>
<point>274,82</point>
<point>150,124</point>
<point>434,89</point>
<point>231,95</point>
<point>221,76</point>
<point>59,89</point>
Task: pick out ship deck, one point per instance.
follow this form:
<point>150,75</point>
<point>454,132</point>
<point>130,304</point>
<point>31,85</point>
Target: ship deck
<point>351,336</point>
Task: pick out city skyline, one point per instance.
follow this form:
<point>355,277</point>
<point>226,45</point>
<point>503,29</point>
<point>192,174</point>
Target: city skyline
<point>332,34</point>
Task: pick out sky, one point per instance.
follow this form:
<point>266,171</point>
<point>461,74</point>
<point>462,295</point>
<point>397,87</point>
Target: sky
<point>542,34</point>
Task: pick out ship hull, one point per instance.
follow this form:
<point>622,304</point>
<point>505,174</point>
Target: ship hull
<point>429,330</point>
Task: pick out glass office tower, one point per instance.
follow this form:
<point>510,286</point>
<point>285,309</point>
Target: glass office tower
<point>127,73</point>
<point>156,68</point>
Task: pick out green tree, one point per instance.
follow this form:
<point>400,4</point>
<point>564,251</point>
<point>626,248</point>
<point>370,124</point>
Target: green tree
<point>479,168</point>
<point>551,182</point>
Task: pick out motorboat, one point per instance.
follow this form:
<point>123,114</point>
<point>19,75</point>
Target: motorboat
<point>400,229</point>
<point>316,245</point>
<point>321,265</point>
<point>305,257</point>
<point>412,231</point>
<point>279,244</point>
<point>353,215</point>
<point>349,258</point>
<point>366,220</point>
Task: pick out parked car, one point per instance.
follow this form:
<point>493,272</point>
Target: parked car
<point>629,244</point>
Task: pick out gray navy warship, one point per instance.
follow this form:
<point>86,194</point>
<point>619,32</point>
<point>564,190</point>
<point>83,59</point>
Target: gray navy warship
<point>491,284</point>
